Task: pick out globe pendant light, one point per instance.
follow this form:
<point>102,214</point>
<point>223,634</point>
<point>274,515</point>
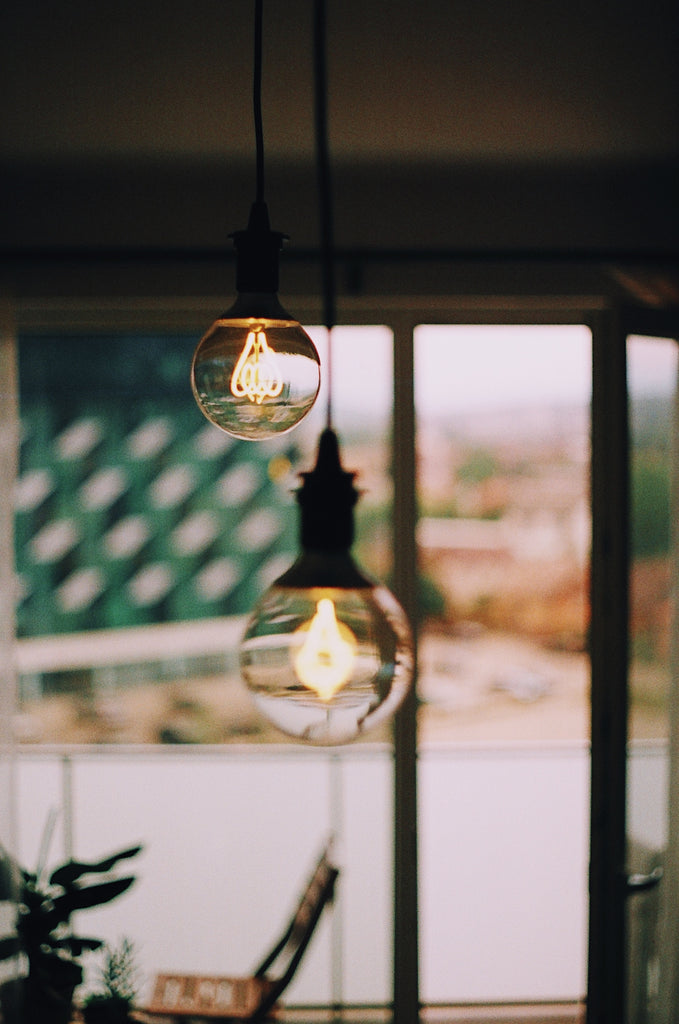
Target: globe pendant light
<point>327,653</point>
<point>256,372</point>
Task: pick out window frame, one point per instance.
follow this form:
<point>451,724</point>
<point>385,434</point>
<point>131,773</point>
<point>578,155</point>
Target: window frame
<point>402,314</point>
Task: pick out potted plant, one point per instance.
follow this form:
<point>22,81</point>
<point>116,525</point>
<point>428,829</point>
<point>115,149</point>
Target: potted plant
<point>118,987</point>
<point>45,936</point>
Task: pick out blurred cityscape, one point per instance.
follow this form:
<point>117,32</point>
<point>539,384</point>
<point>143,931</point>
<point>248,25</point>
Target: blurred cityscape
<point>144,536</point>
<point>503,540</point>
<point>504,544</point>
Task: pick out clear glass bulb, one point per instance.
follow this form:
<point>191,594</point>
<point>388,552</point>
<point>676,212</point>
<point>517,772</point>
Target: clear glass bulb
<point>256,373</point>
<point>255,376</point>
<point>327,664</point>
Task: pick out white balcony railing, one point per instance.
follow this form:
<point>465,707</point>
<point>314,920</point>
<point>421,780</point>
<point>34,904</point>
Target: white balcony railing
<point>230,833</point>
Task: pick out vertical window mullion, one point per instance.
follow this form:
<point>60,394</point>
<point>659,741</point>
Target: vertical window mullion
<point>609,656</point>
<point>406,947</point>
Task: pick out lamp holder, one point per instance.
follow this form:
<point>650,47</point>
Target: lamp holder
<point>257,251</point>
<point>326,500</point>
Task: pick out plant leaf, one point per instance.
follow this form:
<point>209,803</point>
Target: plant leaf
<point>72,870</point>
<point>77,944</point>
<point>90,896</point>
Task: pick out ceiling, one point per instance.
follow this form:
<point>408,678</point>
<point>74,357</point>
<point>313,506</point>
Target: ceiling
<point>454,124</point>
<point>437,80</point>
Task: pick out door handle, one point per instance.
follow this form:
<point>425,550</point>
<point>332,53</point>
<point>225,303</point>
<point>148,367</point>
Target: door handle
<point>641,883</point>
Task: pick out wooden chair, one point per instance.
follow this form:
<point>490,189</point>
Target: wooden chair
<point>182,997</point>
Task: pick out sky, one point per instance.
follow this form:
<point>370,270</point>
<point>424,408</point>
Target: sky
<point>479,367</point>
<point>460,368</point>
<point>651,365</point>
<point>470,368</point>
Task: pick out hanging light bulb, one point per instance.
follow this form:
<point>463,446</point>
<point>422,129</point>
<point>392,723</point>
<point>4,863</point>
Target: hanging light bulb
<point>327,653</point>
<point>256,372</point>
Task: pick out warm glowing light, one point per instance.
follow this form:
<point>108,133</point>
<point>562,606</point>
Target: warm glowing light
<point>325,661</point>
<point>256,375</point>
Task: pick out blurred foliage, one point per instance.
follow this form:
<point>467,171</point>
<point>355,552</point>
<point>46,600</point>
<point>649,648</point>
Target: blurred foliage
<point>650,485</point>
<point>479,465</point>
<point>431,601</point>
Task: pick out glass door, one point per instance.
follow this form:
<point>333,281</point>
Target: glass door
<point>633,947</point>
<point>652,387</point>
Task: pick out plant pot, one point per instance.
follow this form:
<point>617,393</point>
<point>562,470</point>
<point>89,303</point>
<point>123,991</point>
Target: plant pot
<point>49,988</point>
<point>106,1010</point>
<point>11,1001</point>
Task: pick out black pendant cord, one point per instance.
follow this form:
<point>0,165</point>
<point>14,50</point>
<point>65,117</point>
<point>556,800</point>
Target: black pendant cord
<point>257,100</point>
<point>324,185</point>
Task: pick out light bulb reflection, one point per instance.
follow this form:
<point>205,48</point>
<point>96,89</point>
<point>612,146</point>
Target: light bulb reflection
<point>256,375</point>
<point>325,660</point>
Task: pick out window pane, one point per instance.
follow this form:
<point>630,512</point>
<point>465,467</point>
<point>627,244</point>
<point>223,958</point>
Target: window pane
<point>651,380</point>
<point>144,534</point>
<point>503,540</point>
<point>503,478</point>
<point>652,375</point>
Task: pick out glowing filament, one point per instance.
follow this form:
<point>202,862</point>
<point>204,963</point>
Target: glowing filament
<point>326,658</point>
<point>256,375</point>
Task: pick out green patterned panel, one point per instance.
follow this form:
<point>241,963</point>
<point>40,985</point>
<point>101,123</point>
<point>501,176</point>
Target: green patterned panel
<point>130,507</point>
